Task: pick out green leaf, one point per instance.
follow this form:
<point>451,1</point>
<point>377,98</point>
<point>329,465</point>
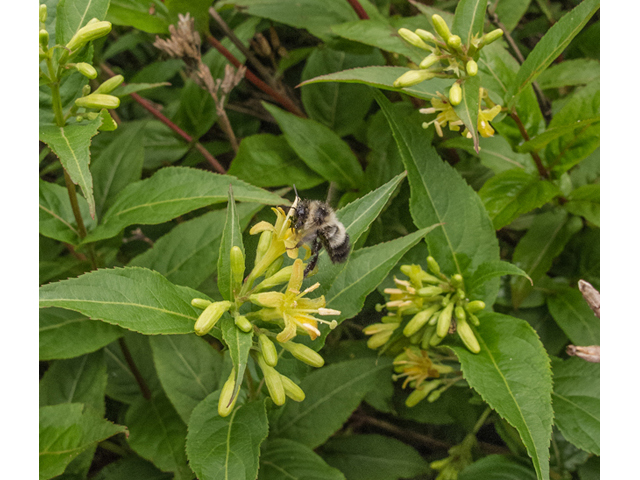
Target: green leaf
<point>71,15</point>
<point>131,467</point>
<point>574,316</point>
<point>535,252</point>
<point>576,401</point>
<point>373,457</point>
<point>65,431</point>
<point>56,219</point>
<point>320,148</point>
<point>553,43</point>
<point>332,394</point>
<point>171,192</point>
<point>197,111</point>
<point>383,77</point>
<point>134,298</point>
<point>226,447</point>
<point>266,160</point>
<point>580,71</point>
<point>282,458</point>
<point>239,344</point>
<point>468,21</point>
<point>188,368</point>
<point>512,374</point>
<point>67,334</point>
<point>467,109</point>
<point>585,201</point>
<point>188,254</point>
<point>76,380</point>
<point>157,433</point>
<point>511,11</point>
<point>540,141</point>
<point>497,467</point>
<point>439,195</point>
<point>119,164</point>
<point>514,192</point>
<point>129,88</point>
<point>71,144</point>
<point>490,270</point>
<point>135,13</point>
<point>231,237</point>
<point>198,9</point>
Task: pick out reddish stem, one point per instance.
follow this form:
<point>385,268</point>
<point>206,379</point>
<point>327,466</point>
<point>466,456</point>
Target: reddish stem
<point>362,15</point>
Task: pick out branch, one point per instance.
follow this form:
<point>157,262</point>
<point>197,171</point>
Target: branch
<point>355,4</point>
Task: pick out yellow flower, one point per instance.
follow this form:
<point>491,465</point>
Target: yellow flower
<point>290,309</point>
<point>484,117</point>
<point>416,366</point>
<point>446,114</point>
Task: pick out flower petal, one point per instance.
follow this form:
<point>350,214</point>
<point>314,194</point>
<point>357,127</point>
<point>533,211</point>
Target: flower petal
<point>261,227</point>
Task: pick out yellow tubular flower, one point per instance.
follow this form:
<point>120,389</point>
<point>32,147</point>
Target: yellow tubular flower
<point>416,366</point>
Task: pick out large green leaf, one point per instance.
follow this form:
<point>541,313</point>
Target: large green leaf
<point>131,297</point>
<point>439,195</point>
<point>68,334</point>
<point>157,433</point>
<point>188,254</point>
<point>512,374</point>
<point>171,192</point>
<point>510,194</point>
<point>373,457</point>
<point>585,201</point>
<point>554,42</point>
<point>468,21</point>
<point>576,401</point>
<point>188,368</point>
<point>65,431</point>
<point>231,237</point>
<point>580,71</point>
<point>71,15</point>
<point>282,458</point>
<point>239,344</point>
<point>487,271</point>
<point>497,467</point>
<point>320,148</point>
<point>135,13</point>
<point>226,448</point>
<point>56,219</point>
<point>71,144</point>
<point>332,394</point>
<point>574,316</point>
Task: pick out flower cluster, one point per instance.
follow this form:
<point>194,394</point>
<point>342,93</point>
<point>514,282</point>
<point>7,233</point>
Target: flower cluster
<point>292,311</point>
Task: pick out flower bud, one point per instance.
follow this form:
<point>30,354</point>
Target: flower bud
<point>274,267</point>
<point>413,39</point>
<point>268,349</point>
<point>428,333</point>
<point>420,393</point>
<point>237,265</point>
<point>91,31</point>
<point>454,41</point>
<point>475,306</point>
<point>293,391</point>
<point>44,38</point>
<point>281,276</point>
<point>429,291</point>
<point>97,100</point>
<point>86,90</point>
<point>467,336</point>
<point>43,13</point>
<point>243,323</point>
<point>433,265</point>
<point>379,339</point>
<point>413,77</point>
<point>304,353</point>
<point>110,85</point>
<point>460,313</point>
<point>472,68</point>
<point>435,340</point>
<point>490,37</point>
<point>455,94</point>
<point>266,299</point>
<point>426,36</point>
<point>441,27</point>
<point>419,320</point>
<point>200,303</point>
<point>86,69</point>
<point>381,327</point>
<point>263,245</point>
<point>429,60</point>
<point>474,320</point>
<point>210,316</point>
<point>225,403</point>
<point>79,118</point>
<point>434,396</point>
<point>444,320</point>
<point>273,381</point>
<point>457,280</point>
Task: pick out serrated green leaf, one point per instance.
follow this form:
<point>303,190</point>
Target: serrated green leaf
<point>467,110</point>
<point>535,252</point>
<point>171,192</point>
<point>56,219</point>
<point>135,13</point>
<point>157,433</point>
<point>239,344</point>
<point>332,393</point>
<point>67,334</point>
<point>373,457</point>
<point>320,148</point>
<point>65,431</point>
<point>553,43</point>
<point>226,447</point>
<point>71,145</point>
<point>490,270</point>
<point>574,316</point>
<point>510,194</point>
<point>282,458</point>
<point>188,254</point>
<point>580,71</point>
<point>76,380</point>
<point>576,402</point>
<point>231,237</point>
<point>497,467</point>
<point>131,297</point>
<point>71,15</point>
<point>439,195</point>
<point>512,374</point>
<point>468,21</point>
<point>188,368</point>
<point>540,141</point>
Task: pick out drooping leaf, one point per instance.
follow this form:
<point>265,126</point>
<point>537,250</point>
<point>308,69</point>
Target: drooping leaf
<point>497,467</point>
<point>56,219</point>
<point>282,458</point>
<point>226,447</point>
<point>512,374</point>
<point>469,19</point>
<point>231,237</point>
<point>574,316</point>
<point>71,15</point>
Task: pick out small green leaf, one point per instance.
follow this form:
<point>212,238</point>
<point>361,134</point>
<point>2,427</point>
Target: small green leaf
<point>489,270</point>
<point>135,13</point>
<point>320,148</point>
<point>71,15</point>
<point>131,467</point>
<point>468,21</point>
<point>65,431</point>
<point>231,237</point>
<point>239,344</point>
<point>512,374</point>
<point>71,144</point>
<point>132,297</point>
<point>129,88</point>
<point>511,11</point>
<point>467,109</point>
<point>576,402</point>
<point>510,194</point>
<point>332,394</point>
<point>497,467</point>
<point>56,219</point>
<point>574,316</point>
<point>282,458</point>
<point>580,71</point>
<point>226,447</point>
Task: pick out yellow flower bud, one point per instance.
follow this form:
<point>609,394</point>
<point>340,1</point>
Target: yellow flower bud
<point>429,60</point>
<point>304,353</point>
<point>454,41</point>
<point>86,90</point>
<point>86,69</point>
<point>413,77</point>
<point>426,36</point>
<point>110,85</point>
<point>457,280</point>
<point>467,336</point>
<point>200,303</point>
<point>474,320</point>
<point>266,299</point>
<point>281,276</point>
<point>210,316</point>
<point>268,349</point>
<point>413,39</point>
<point>475,306</point>
<point>434,396</point>
<point>379,339</point>
<point>243,323</point>
<point>274,267</point>
<point>237,264</point>
<point>44,38</point>
<point>420,393</point>
<point>441,27</point>
<point>98,100</point>
<point>385,326</point>
<point>91,31</point>
<point>419,320</point>
<point>263,245</point>
<point>273,381</point>
<point>460,313</point>
<point>444,320</point>
<point>428,333</point>
<point>225,403</point>
<point>491,37</point>
<point>472,68</point>
<point>43,13</point>
<point>429,291</point>
<point>433,265</point>
<point>455,94</point>
<point>293,391</point>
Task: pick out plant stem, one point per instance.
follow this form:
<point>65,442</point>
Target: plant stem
<point>481,420</point>
<point>355,4</point>
<point>525,135</point>
<point>146,393</point>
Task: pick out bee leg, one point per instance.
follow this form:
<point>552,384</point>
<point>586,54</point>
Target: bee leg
<point>315,251</point>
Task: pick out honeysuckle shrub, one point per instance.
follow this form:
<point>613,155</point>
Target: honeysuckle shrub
<point>459,146</point>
